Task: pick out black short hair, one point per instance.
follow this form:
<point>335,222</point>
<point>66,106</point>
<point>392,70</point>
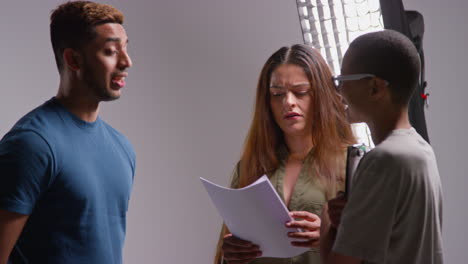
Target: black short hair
<point>389,55</point>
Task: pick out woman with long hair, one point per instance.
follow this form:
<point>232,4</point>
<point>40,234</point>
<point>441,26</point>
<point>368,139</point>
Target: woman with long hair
<point>298,138</point>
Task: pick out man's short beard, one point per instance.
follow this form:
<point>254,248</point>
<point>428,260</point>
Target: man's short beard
<point>99,92</point>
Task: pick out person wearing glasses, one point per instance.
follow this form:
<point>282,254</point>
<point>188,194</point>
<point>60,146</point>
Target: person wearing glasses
<point>298,137</point>
<point>393,213</point>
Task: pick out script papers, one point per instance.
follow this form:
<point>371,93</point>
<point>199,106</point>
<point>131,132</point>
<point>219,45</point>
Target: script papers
<point>256,213</point>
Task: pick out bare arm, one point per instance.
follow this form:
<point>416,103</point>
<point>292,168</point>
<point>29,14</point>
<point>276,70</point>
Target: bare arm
<point>11,225</point>
<point>330,257</point>
<point>327,239</point>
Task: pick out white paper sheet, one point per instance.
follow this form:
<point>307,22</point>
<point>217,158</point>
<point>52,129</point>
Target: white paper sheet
<point>256,213</point>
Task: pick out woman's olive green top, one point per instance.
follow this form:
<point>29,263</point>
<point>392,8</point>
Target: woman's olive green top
<point>308,195</point>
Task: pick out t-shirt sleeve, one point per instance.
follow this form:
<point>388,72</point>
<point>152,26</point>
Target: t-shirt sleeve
<point>367,219</point>
<point>133,162</point>
<point>132,156</point>
<point>25,170</point>
<point>128,148</point>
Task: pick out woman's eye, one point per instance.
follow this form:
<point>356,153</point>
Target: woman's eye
<point>277,94</point>
<point>301,92</point>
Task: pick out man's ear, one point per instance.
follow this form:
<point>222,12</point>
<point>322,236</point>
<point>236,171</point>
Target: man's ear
<point>378,88</point>
<point>71,59</point>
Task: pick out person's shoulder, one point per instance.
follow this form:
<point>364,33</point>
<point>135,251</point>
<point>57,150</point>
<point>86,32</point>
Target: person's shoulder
<point>32,125</point>
<point>114,132</point>
<point>32,137</point>
<point>41,119</point>
<point>119,137</point>
<point>403,148</point>
<point>24,142</point>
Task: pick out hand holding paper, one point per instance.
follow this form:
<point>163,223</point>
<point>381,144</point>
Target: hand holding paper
<point>238,250</point>
<point>257,214</point>
<point>310,224</point>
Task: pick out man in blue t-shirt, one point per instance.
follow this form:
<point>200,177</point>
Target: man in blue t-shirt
<point>66,175</point>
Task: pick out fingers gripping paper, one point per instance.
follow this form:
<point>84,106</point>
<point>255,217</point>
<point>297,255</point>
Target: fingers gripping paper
<point>256,213</point>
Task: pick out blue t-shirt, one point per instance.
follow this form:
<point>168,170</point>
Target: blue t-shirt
<point>73,178</point>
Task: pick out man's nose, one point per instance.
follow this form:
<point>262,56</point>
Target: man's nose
<point>125,60</point>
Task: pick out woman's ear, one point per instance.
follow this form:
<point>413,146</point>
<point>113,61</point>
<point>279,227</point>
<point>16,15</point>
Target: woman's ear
<point>72,59</point>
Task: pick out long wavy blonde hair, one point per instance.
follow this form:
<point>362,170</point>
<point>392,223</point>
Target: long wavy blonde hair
<point>331,132</point>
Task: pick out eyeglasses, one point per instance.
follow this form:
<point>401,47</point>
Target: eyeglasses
<point>339,79</point>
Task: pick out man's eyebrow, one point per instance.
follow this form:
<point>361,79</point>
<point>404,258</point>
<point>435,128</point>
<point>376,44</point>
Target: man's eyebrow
<point>118,40</point>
